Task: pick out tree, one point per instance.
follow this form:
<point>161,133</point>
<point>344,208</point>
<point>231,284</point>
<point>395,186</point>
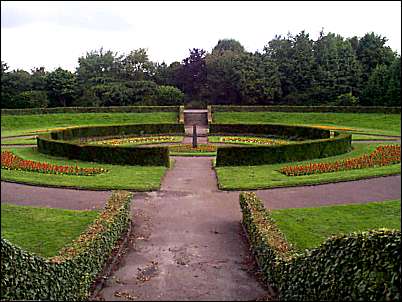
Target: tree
<point>136,66</point>
<point>227,45</point>
<point>61,87</point>
<point>376,87</point>
<point>169,95</point>
<point>393,93</point>
<point>98,67</point>
<point>32,99</point>
<point>191,75</point>
<point>371,51</point>
<point>12,84</point>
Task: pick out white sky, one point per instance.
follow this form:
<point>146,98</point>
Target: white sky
<point>55,34</point>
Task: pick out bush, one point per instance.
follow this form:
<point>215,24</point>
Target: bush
<point>111,109</point>
<point>68,276</point>
<point>264,155</point>
<point>359,266</point>
<point>169,95</point>
<point>276,108</point>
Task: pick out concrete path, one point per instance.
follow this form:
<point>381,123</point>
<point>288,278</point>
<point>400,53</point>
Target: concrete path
<point>190,244</point>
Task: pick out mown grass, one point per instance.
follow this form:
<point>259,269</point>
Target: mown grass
<point>19,141</point>
<point>307,228</point>
<point>138,178</point>
<point>43,231</point>
<point>12,125</point>
<point>267,176</point>
<point>369,123</point>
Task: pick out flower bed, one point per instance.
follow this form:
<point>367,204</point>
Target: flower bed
<point>10,161</point>
<point>381,156</point>
<point>252,140</point>
<point>138,140</point>
<point>189,148</point>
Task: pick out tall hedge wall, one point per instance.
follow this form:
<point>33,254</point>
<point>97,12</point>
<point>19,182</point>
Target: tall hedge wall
<point>57,144</point>
<point>286,131</point>
<point>110,109</point>
<point>68,276</point>
<point>362,266</point>
<point>280,108</point>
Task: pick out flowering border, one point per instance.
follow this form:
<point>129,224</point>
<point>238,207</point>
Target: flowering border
<point>10,161</point>
<point>381,156</point>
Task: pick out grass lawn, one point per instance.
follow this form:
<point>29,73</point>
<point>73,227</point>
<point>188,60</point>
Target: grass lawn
<point>43,231</point>
<point>138,178</point>
<point>19,141</point>
<point>308,227</point>
<point>267,176</point>
<point>369,123</point>
<point>359,137</point>
<point>25,124</point>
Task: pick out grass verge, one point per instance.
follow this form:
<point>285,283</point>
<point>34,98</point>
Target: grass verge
<point>370,123</point>
<point>137,178</point>
<point>43,231</point>
<point>26,124</point>
<point>307,228</point>
<point>267,176</point>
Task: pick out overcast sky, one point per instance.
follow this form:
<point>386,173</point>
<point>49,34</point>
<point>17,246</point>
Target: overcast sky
<point>55,34</point>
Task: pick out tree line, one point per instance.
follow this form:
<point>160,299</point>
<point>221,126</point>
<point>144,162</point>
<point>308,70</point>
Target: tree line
<point>290,70</point>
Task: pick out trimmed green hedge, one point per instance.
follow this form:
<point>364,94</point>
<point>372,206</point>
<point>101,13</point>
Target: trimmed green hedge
<point>263,155</point>
<point>117,130</point>
<point>68,276</point>
<point>280,108</point>
<point>278,130</point>
<point>57,144</point>
<point>119,155</point>
<point>360,266</point>
<point>110,109</point>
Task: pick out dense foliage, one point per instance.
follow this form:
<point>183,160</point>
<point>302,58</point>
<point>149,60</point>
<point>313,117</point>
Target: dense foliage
<point>69,275</point>
<point>359,266</point>
<point>291,70</point>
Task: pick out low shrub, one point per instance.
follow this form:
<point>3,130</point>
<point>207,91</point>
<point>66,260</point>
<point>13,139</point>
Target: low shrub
<point>111,109</point>
<point>281,108</point>
<point>69,275</point>
<point>358,266</point>
<point>299,151</point>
